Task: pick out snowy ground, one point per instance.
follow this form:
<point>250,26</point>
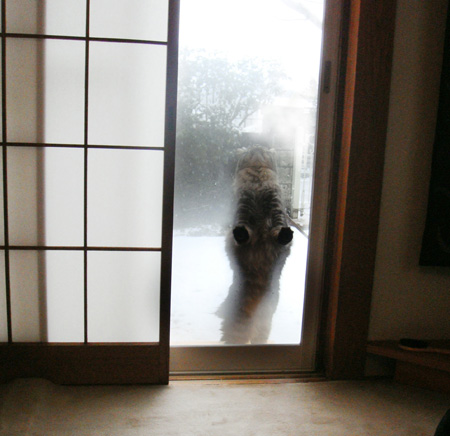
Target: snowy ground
<point>200,281</point>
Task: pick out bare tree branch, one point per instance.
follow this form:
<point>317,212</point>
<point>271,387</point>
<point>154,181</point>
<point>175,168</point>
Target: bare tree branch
<point>299,7</point>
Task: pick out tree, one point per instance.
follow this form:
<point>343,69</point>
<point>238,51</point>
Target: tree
<point>216,100</point>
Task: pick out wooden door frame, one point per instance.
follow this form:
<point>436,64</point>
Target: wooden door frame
<point>299,358</point>
<point>360,138</point>
<point>359,122</point>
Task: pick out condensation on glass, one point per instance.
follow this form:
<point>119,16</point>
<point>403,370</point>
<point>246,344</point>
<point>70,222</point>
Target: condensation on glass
<point>253,80</point>
<point>72,207</point>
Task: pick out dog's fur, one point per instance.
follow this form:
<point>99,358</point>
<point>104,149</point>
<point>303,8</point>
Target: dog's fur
<point>257,247</point>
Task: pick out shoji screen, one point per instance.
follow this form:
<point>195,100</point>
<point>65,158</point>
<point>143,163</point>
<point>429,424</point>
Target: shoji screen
<point>83,132</point>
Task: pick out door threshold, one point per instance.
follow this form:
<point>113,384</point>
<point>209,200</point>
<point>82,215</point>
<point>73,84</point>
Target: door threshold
<point>253,377</point>
<point>239,359</point>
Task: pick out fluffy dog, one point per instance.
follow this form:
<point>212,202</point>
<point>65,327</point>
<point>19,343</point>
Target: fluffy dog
<point>257,247</point>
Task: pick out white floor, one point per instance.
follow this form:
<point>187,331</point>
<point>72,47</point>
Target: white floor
<point>33,407</point>
<point>200,280</point>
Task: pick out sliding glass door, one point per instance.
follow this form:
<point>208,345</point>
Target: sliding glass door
<point>255,88</point>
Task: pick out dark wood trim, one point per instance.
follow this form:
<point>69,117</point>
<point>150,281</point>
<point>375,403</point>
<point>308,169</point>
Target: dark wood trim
<point>169,184</point>
<point>83,363</point>
<point>5,173</point>
<point>82,146</point>
<point>86,172</point>
<point>41,36</point>
<point>360,137</point>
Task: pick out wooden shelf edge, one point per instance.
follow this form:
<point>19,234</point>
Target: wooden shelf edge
<point>391,349</point>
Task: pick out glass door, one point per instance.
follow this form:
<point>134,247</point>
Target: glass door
<point>252,163</point>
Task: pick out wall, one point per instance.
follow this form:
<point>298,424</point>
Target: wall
<point>409,300</point>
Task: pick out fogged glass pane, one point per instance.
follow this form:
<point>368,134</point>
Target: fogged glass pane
<point>126,94</point>
<point>132,19</point>
<point>53,113</point>
<point>3,313</point>
<point>47,296</point>
<point>246,126</point>
<point>123,296</point>
<point>50,17</point>
<point>125,198</point>
<point>45,196</point>
<point>64,285</point>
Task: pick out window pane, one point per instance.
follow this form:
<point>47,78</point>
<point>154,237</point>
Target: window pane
<point>47,296</point>
<point>125,198</point>
<point>3,313</point>
<point>132,19</point>
<point>237,91</point>
<point>53,113</point>
<point>123,296</point>
<point>52,17</point>
<point>127,94</point>
<point>45,188</point>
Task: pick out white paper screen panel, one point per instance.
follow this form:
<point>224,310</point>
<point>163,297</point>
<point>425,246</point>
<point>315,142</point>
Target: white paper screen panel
<point>2,219</point>
<point>3,312</point>
<point>84,168</point>
<point>129,19</point>
<point>127,94</point>
<point>45,91</point>
<point>50,17</point>
<point>123,298</point>
<point>47,296</point>
<point>125,198</point>
<point>45,201</point>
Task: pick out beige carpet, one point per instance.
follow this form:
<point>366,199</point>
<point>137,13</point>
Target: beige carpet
<point>38,407</point>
